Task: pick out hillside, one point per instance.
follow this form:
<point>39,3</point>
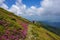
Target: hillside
<point>49,27</point>
<point>11,26</point>
<point>36,32</point>
<point>14,27</point>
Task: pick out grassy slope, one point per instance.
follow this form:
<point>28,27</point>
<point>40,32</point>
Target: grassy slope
<point>50,28</point>
<point>34,32</point>
<point>12,23</point>
<point>40,33</point>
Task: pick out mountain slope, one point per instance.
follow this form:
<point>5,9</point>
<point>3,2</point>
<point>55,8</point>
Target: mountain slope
<point>50,28</point>
<point>40,33</point>
<point>13,27</point>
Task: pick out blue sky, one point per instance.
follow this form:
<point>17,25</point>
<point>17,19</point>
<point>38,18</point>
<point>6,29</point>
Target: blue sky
<point>10,2</point>
<point>28,3</point>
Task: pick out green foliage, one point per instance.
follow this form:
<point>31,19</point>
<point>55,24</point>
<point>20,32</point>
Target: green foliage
<point>40,33</point>
<point>1,17</point>
<point>2,30</point>
<point>10,21</point>
<point>13,19</point>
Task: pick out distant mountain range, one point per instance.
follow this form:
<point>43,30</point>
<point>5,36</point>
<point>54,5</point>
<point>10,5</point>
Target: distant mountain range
<point>53,24</point>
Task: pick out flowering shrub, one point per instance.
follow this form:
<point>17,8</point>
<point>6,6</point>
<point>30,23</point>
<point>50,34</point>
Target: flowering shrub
<point>10,29</point>
<point>25,28</point>
<point>13,33</point>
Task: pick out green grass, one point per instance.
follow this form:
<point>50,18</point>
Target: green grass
<point>11,24</point>
<point>2,30</point>
<point>34,32</point>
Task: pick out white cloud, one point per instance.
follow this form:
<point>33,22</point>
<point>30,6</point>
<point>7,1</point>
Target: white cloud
<point>33,7</point>
<point>3,5</point>
<point>1,1</point>
<point>14,9</point>
<point>49,10</point>
<point>19,8</point>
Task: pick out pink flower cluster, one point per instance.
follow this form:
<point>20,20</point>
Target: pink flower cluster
<point>24,32</point>
<point>12,35</point>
